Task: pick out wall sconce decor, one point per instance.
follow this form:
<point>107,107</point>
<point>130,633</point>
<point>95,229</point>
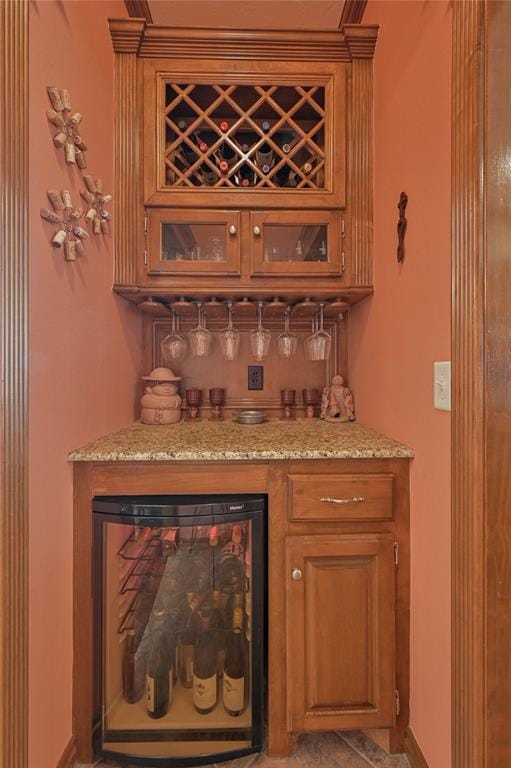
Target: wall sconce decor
<point>67,122</point>
<point>96,215</point>
<point>401,227</point>
<point>69,233</point>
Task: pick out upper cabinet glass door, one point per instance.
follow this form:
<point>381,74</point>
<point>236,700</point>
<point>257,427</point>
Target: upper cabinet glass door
<point>231,135</point>
<point>193,242</point>
<point>296,243</point>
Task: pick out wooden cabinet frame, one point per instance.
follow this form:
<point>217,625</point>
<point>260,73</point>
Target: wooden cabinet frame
<point>271,477</point>
<point>331,76</point>
<point>342,57</point>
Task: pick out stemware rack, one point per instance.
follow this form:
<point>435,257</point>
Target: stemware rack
<point>244,307</point>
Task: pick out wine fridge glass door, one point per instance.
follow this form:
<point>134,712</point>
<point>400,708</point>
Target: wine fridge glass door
<point>178,615</point>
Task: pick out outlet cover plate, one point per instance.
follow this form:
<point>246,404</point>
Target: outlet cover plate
<point>255,376</point>
<point>442,385</point>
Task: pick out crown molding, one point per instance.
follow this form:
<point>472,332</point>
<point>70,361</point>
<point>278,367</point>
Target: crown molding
<point>126,34</point>
<point>139,9</point>
<point>353,41</point>
<point>352,12</point>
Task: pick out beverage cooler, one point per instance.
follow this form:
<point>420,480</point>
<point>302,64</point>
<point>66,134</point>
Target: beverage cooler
<point>179,628</point>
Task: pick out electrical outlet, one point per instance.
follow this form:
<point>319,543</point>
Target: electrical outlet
<point>255,376</point>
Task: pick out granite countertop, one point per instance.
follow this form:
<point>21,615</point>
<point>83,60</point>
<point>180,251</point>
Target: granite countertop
<point>228,440</point>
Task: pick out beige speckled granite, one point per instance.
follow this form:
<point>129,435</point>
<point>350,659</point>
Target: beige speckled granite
<point>227,440</point>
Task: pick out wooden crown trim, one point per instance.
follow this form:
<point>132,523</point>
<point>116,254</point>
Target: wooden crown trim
<point>126,34</point>
<point>130,35</point>
<point>353,12</point>
<point>140,9</point>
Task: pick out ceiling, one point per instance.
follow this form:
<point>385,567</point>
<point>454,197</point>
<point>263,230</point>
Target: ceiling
<point>249,14</point>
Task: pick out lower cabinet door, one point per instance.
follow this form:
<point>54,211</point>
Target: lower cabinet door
<point>340,632</point>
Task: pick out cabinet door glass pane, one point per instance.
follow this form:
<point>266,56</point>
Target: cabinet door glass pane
<point>193,242</point>
<point>177,638</point>
<point>283,242</point>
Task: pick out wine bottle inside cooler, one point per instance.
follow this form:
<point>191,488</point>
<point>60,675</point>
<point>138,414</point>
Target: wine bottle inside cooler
<point>217,626</point>
<point>132,672</point>
<point>187,640</point>
<point>235,681</point>
<point>205,665</point>
<point>158,685</point>
<point>232,563</point>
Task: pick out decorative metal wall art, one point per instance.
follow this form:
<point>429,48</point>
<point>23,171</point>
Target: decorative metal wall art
<point>66,217</point>
<point>401,226</point>
<point>67,122</point>
<point>96,215</point>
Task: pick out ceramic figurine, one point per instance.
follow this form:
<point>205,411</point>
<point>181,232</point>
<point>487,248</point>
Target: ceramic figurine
<point>160,402</point>
<point>337,402</point>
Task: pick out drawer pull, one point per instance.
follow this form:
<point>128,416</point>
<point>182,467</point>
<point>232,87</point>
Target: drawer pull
<point>296,574</point>
<point>332,500</point>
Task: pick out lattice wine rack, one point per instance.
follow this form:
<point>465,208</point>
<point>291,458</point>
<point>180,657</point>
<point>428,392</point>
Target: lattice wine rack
<point>245,136</point>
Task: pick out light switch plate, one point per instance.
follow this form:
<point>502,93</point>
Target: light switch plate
<point>442,385</point>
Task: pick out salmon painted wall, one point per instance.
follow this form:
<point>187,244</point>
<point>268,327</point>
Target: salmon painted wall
<point>396,335</point>
<point>84,345</point>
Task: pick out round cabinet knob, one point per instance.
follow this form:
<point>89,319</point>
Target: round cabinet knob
<point>296,574</point>
<point>232,230</point>
<point>257,231</point>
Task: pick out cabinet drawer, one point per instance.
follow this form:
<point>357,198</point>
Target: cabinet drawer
<point>340,497</point>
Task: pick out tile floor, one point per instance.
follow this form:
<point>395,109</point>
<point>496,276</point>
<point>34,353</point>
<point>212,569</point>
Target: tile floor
<point>351,749</point>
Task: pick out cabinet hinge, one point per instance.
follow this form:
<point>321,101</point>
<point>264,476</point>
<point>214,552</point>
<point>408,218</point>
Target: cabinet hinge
<point>398,705</point>
<point>342,228</point>
<point>146,226</point>
<point>145,259</point>
<point>396,553</point>
<point>343,262</point>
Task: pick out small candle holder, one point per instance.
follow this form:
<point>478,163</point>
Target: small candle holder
<point>193,398</point>
<point>310,401</point>
<point>217,399</point>
<point>287,399</point>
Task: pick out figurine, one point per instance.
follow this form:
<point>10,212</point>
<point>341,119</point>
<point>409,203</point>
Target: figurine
<point>337,402</point>
<point>160,402</point>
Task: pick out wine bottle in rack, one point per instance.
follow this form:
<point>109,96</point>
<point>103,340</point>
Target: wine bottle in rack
<point>208,175</point>
<point>181,125</point>
<point>226,157</point>
<point>265,157</point>
<point>188,153</point>
<point>158,692</point>
<point>285,177</point>
<point>234,686</point>
<point>245,148</point>
<point>202,145</point>
<point>187,640</point>
<point>307,168</point>
<point>205,664</point>
<point>245,176</point>
<point>286,141</point>
<point>265,125</point>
